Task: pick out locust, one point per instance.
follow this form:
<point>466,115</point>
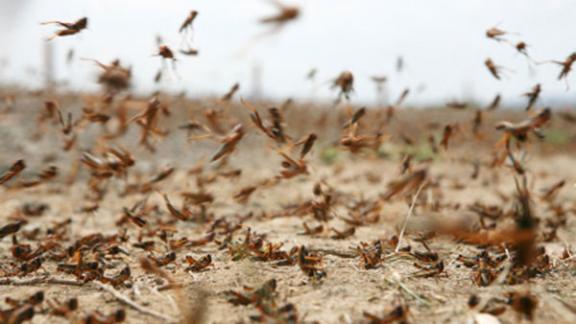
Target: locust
<point>69,28</point>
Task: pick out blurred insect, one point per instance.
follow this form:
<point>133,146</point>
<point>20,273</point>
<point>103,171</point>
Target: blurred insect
<point>399,314</point>
<point>148,120</point>
<point>308,143</point>
<point>285,14</point>
<point>406,184</point>
<point>566,66</point>
<point>448,129</point>
<point>198,265</point>
<point>166,53</point>
<point>69,28</point>
<point>533,96</point>
<point>380,82</point>
<point>114,76</point>
<point>11,228</point>
<point>229,143</point>
<point>342,235</point>
<point>189,52</point>
<point>70,56</point>
<point>244,194</point>
<point>187,24</point>
<point>310,264</point>
<point>228,95</point>
<point>371,255</point>
<point>496,34</point>
<point>493,68</point>
<point>355,117</point>
<point>477,123</point>
<point>118,316</point>
<point>345,83</point>
<point>183,215</point>
<point>355,143</point>
<point>495,103</point>
<point>402,97</point>
<point>523,304</point>
<point>312,231</point>
<point>273,129</point>
<point>399,64</point>
<point>552,191</point>
<point>14,170</point>
<point>292,167</point>
<point>260,297</point>
<point>311,75</point>
<point>457,105</point>
<point>120,278</point>
<point>521,130</point>
<point>158,76</point>
<point>63,309</point>
<point>522,48</point>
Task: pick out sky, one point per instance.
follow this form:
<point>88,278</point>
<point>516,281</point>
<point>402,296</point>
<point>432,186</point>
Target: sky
<point>442,43</point>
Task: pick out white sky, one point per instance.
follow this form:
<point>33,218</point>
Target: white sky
<point>442,42</point>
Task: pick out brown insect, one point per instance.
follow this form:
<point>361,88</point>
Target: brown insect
<point>345,83</point>
<point>260,297</point>
<point>457,105</point>
<point>228,95</point>
<point>97,317</point>
<point>552,191</point>
<point>448,129</point>
<point>566,65</point>
<point>533,95</point>
<point>521,130</point>
<point>493,68</point>
<point>355,117</point>
<point>292,167</point>
<point>398,315</point>
<point>495,103</point>
<point>229,143</point>
<point>187,24</point>
<point>14,170</point>
<point>163,260</point>
<point>63,309</point>
<point>114,76</point>
<point>371,255</point>
<point>70,28</point>
<point>523,304</point>
<point>19,313</point>
<point>496,34</point>
<point>273,129</point>
<point>342,235</point>
<point>402,97</point>
<point>477,123</point>
<point>198,265</point>
<point>11,228</point>
<point>355,143</point>
<point>429,270</point>
<point>521,47</point>
<point>244,194</point>
<point>130,216</point>
<point>308,143</point>
<point>183,215</point>
<point>285,14</point>
<point>166,53</point>
<point>310,264</point>
<point>312,231</point>
<point>189,52</point>
<point>407,184</point>
<point>148,120</point>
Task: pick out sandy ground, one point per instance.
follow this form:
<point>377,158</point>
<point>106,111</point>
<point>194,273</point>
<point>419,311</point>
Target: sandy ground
<point>348,289</point>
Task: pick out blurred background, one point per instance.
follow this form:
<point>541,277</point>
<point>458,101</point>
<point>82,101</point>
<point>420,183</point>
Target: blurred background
<point>441,43</point>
